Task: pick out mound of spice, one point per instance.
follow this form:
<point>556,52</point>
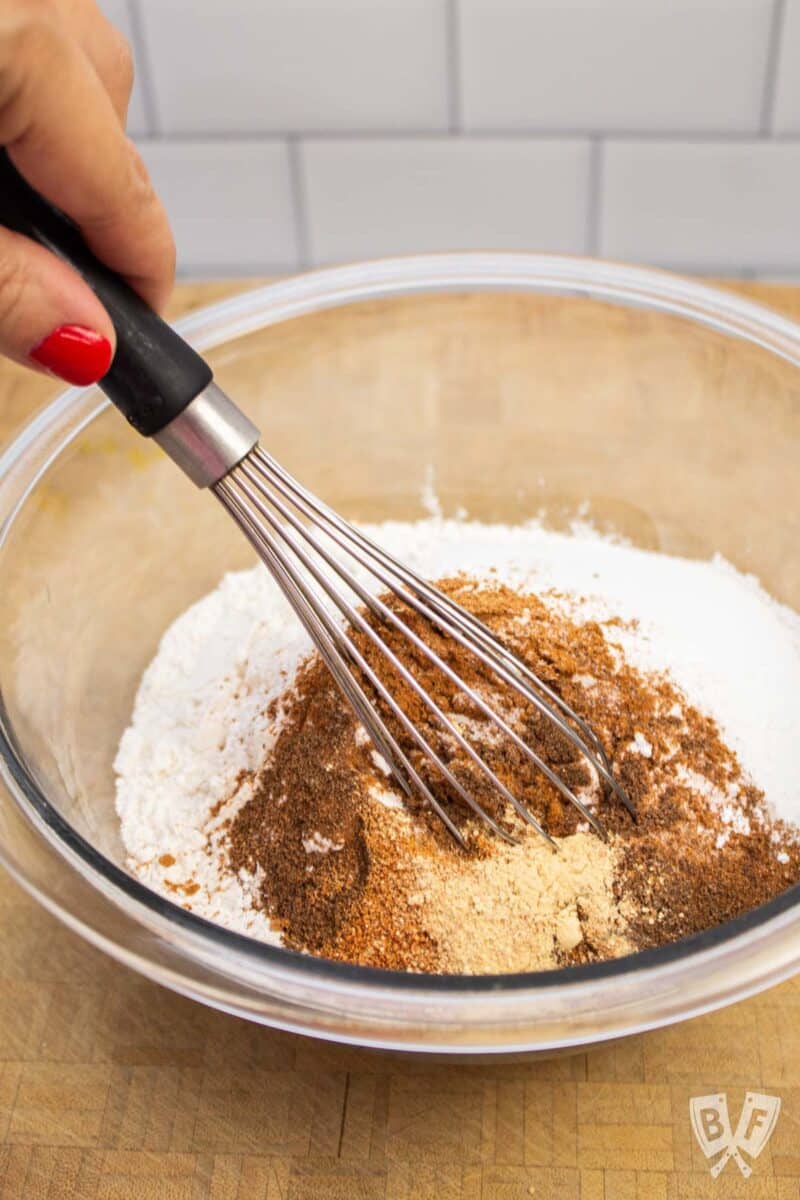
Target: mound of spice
<point>346,867</point>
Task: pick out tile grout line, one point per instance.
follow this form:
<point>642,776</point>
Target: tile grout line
<point>453,37</point>
<point>222,272</point>
<point>644,137</point>
<point>725,271</point>
<point>144,69</point>
<point>297,190</point>
<point>771,67</point>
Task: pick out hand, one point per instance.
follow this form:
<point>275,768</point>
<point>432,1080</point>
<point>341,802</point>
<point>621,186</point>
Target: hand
<point>65,82</point>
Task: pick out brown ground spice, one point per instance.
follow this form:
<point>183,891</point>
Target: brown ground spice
<point>350,879</point>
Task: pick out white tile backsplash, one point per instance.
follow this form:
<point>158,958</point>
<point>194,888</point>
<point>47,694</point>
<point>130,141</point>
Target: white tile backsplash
<point>277,65</point>
<point>230,204</point>
<point>372,197</point>
<point>119,14</point>
<point>292,132</point>
<point>787,88</point>
<point>671,65</point>
<point>702,205</point>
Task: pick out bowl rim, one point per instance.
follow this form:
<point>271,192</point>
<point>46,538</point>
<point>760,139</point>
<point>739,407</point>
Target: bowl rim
<point>336,286</point>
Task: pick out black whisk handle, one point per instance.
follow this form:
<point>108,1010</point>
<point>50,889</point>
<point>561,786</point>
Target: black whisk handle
<point>155,374</point>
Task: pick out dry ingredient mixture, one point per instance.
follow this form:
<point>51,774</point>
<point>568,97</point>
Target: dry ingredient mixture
<point>249,793</point>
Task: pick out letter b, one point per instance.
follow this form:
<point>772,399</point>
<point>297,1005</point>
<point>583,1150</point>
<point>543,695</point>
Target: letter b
<point>712,1125</point>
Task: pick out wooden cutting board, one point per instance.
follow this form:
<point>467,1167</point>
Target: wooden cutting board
<point>114,1089</point>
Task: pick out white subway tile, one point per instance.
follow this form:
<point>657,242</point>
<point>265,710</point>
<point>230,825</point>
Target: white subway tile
<point>702,205</point>
<point>118,13</point>
<point>374,197</point>
<point>787,90</point>
<point>277,65</point>
<point>229,202</point>
<point>625,65</point>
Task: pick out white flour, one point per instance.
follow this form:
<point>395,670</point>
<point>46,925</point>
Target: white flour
<point>200,714</point>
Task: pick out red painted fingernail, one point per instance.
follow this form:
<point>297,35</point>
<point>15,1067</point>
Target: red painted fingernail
<point>74,353</point>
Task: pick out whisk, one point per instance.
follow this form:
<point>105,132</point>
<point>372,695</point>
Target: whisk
<point>319,560</point>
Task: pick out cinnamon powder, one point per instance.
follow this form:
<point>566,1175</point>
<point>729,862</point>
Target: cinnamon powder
<point>348,877</point>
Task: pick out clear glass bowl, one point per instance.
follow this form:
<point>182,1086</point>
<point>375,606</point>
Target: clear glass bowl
<point>514,384</point>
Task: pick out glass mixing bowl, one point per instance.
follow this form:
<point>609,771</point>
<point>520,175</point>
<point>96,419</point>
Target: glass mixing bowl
<point>512,385</point>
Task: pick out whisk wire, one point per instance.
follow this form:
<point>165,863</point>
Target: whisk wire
<point>445,614</point>
<point>381,610</point>
<point>305,612</point>
<point>317,509</point>
<point>385,613</point>
<point>355,618</point>
<point>263,497</point>
<point>308,608</point>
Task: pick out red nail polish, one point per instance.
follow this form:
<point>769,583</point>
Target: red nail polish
<point>74,353</point>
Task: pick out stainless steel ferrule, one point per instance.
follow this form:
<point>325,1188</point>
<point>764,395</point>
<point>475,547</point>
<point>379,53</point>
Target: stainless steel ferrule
<point>209,437</point>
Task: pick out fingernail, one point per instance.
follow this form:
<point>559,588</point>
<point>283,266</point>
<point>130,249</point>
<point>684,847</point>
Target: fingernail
<point>75,354</point>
